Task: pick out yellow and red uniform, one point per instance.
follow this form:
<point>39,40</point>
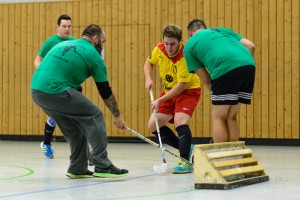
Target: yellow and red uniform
<point>173,69</point>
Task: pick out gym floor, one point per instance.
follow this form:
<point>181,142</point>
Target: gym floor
<point>26,174</point>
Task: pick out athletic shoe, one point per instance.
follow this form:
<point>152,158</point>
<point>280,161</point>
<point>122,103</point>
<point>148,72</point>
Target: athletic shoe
<point>88,174</point>
<point>47,150</point>
<point>182,168</point>
<point>110,172</point>
<point>191,156</point>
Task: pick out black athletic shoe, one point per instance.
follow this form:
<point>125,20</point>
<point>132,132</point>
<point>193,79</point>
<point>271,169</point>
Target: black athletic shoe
<point>88,174</point>
<point>110,172</point>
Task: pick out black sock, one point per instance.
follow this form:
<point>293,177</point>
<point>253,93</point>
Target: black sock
<point>48,132</point>
<point>168,136</point>
<point>185,140</point>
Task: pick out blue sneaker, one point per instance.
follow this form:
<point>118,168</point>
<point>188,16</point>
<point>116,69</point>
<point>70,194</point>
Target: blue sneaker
<point>183,168</point>
<point>191,156</point>
<point>48,151</point>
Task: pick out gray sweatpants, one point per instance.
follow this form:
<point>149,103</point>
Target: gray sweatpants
<point>81,122</point>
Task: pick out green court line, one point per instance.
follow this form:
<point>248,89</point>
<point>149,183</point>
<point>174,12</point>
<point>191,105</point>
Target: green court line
<point>30,171</point>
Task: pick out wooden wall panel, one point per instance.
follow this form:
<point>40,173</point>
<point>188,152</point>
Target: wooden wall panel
<point>1,69</point>
<point>257,100</point>
<point>287,69</point>
<point>295,67</point>
<point>5,70</point>
<point>272,70</point>
<point>265,41</point>
<point>133,28</point>
<point>279,69</point>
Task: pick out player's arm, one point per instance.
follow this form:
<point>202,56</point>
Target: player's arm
<point>179,87</point>
<point>37,61</point>
<point>148,67</point>
<point>111,103</point>
<point>204,76</point>
<point>248,44</point>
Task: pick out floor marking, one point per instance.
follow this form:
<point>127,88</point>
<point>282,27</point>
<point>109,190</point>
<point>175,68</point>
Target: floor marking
<point>74,187</point>
<point>30,171</point>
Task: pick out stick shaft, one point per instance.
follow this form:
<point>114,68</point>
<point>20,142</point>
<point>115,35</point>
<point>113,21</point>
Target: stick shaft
<point>155,144</point>
<point>157,128</point>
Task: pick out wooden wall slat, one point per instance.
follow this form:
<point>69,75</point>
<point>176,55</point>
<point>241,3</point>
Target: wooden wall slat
<point>133,28</point>
<point>228,13</point>
<point>242,29</point>
<point>272,70</point>
<point>5,75</point>
<point>24,84</point>
<point>287,69</point>
<point>250,35</point>
<point>114,39</point>
<point>148,41</point>
<point>265,68</point>
<point>280,70</point>
<point>157,27</point>
<point>30,55</point>
<point>143,39</point>
<point>295,68</point>
<point>213,13</point>
<point>11,70</point>
<point>108,58</point>
<point>235,22</point>
<point>2,68</point>
<point>134,64</point>
<point>37,113</point>
<point>221,13</point>
<point>40,22</point>
<point>17,75</point>
<point>120,38</point>
<point>128,65</point>
<point>257,100</point>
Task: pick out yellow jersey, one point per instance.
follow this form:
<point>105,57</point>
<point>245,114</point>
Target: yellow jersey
<point>173,70</point>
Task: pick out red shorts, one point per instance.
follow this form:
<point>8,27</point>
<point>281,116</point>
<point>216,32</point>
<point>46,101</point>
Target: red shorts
<point>185,102</point>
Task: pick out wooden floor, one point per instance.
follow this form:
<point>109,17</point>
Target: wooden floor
<point>25,174</point>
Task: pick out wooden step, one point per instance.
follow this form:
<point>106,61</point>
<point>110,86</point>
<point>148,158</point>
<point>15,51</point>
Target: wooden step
<point>242,161</point>
<point>241,170</point>
<point>231,153</point>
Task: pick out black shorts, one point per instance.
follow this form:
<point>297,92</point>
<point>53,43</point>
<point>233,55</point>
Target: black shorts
<point>233,87</point>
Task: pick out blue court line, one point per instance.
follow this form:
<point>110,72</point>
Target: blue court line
<point>73,187</point>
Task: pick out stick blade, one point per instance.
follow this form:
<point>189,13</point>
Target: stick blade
<point>160,168</point>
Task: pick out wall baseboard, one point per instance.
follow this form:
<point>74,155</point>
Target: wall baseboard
<point>204,140</point>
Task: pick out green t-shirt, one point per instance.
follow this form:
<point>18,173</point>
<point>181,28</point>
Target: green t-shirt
<point>218,50</point>
<point>50,43</point>
<point>67,65</point>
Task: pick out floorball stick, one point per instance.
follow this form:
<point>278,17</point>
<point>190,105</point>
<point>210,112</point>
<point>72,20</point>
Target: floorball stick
<point>155,144</point>
<point>158,168</point>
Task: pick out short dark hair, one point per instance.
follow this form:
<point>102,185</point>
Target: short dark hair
<point>196,24</point>
<point>63,17</point>
<point>91,30</point>
<point>172,30</point>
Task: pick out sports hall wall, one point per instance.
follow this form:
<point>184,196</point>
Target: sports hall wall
<point>133,28</point>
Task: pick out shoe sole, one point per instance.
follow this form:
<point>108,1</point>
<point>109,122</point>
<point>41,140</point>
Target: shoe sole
<point>184,172</point>
<point>73,176</point>
<point>108,175</point>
